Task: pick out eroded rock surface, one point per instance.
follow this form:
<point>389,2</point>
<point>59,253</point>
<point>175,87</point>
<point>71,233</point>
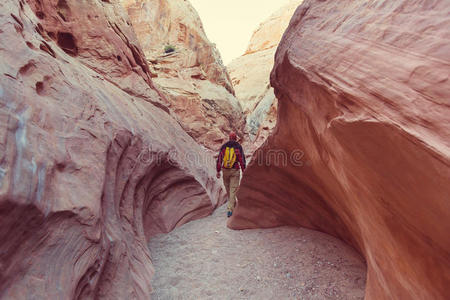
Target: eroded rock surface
<point>250,74</point>
<point>91,161</point>
<point>192,77</point>
<point>363,139</point>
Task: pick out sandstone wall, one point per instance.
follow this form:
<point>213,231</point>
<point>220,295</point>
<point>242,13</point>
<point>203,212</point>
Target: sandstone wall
<point>250,74</point>
<point>363,139</point>
<point>91,161</point>
<point>192,78</point>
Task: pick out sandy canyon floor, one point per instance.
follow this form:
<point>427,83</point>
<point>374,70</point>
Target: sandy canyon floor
<point>205,260</point>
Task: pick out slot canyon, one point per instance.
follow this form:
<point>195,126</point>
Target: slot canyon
<point>112,114</point>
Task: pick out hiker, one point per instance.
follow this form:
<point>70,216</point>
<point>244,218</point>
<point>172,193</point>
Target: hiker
<point>231,159</point>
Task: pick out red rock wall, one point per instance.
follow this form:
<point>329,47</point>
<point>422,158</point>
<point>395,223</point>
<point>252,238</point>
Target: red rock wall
<point>364,132</point>
<point>91,161</point>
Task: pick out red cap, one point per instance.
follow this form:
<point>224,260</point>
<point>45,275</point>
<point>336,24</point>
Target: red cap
<point>233,136</point>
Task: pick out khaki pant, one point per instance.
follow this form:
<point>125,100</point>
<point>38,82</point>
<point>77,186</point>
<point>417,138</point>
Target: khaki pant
<point>231,181</point>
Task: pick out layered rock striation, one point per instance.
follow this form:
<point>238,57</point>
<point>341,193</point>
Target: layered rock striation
<point>92,163</point>
<point>191,74</point>
<point>362,145</point>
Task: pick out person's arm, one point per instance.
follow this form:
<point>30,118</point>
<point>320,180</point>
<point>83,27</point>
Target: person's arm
<point>219,161</point>
<point>241,158</point>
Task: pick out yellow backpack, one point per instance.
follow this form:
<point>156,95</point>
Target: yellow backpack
<point>229,158</point>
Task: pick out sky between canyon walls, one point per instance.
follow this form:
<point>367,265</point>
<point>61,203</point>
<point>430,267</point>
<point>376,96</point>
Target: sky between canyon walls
<point>230,24</point>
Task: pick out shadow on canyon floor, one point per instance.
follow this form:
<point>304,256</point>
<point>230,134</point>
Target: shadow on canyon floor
<point>205,260</point>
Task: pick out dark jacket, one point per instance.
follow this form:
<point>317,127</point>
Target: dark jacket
<point>240,156</point>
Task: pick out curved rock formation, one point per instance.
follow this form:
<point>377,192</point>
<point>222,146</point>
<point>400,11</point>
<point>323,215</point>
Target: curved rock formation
<point>250,74</point>
<point>362,147</point>
<point>191,75</point>
<point>91,161</point>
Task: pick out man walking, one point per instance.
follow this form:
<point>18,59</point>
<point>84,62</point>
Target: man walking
<point>231,158</point>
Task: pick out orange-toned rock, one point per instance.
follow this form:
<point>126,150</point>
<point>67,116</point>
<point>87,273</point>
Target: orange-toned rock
<point>362,145</point>
<point>176,23</point>
<point>91,161</point>
<point>250,74</point>
<point>191,75</point>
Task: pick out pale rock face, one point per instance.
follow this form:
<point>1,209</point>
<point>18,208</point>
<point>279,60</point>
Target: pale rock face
<point>91,161</point>
<point>269,32</point>
<point>205,110</point>
<point>193,79</point>
<point>250,74</point>
<point>363,139</point>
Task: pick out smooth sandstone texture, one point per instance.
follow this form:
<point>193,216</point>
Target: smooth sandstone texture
<point>192,78</point>
<point>91,162</point>
<point>250,74</point>
<point>362,145</point>
<point>270,31</point>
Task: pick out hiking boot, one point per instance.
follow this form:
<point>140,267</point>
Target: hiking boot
<point>229,213</point>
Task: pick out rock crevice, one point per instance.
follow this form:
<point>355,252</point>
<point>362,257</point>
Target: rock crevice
<point>250,75</point>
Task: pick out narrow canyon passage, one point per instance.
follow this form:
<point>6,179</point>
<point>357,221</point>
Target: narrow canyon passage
<point>205,260</point>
